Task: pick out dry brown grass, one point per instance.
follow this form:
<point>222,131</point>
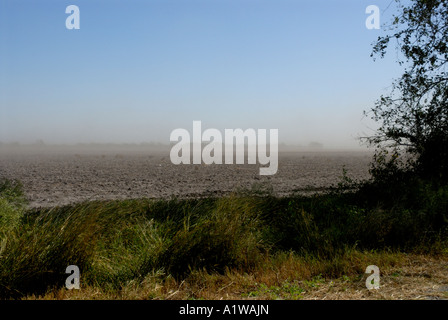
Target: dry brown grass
<point>407,277</point>
<point>419,278</point>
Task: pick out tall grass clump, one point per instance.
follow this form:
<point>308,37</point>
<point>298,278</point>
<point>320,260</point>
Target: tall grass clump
<point>128,242</point>
<point>228,235</point>
<point>12,206</point>
<point>39,250</point>
<point>12,191</point>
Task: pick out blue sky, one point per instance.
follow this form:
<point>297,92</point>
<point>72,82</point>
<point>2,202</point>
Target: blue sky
<point>136,70</point>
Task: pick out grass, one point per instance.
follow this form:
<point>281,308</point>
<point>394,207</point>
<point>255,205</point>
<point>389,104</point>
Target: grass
<point>246,245</point>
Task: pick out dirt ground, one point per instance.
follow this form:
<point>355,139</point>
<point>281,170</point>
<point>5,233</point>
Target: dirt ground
<point>63,175</point>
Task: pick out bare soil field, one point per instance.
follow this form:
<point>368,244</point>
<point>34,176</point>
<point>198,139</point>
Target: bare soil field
<point>60,175</point>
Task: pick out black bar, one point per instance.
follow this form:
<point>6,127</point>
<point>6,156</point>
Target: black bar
<point>240,309</point>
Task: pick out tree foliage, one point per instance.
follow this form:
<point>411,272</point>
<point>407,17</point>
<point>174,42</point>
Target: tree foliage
<point>414,116</point>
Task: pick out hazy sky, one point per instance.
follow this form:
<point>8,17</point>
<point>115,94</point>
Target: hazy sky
<point>136,70</point>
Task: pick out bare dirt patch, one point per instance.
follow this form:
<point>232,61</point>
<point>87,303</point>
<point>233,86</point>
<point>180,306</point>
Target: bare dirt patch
<point>63,175</point>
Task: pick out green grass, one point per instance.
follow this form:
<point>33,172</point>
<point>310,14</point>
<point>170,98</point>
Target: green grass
<point>115,243</point>
<point>285,291</point>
